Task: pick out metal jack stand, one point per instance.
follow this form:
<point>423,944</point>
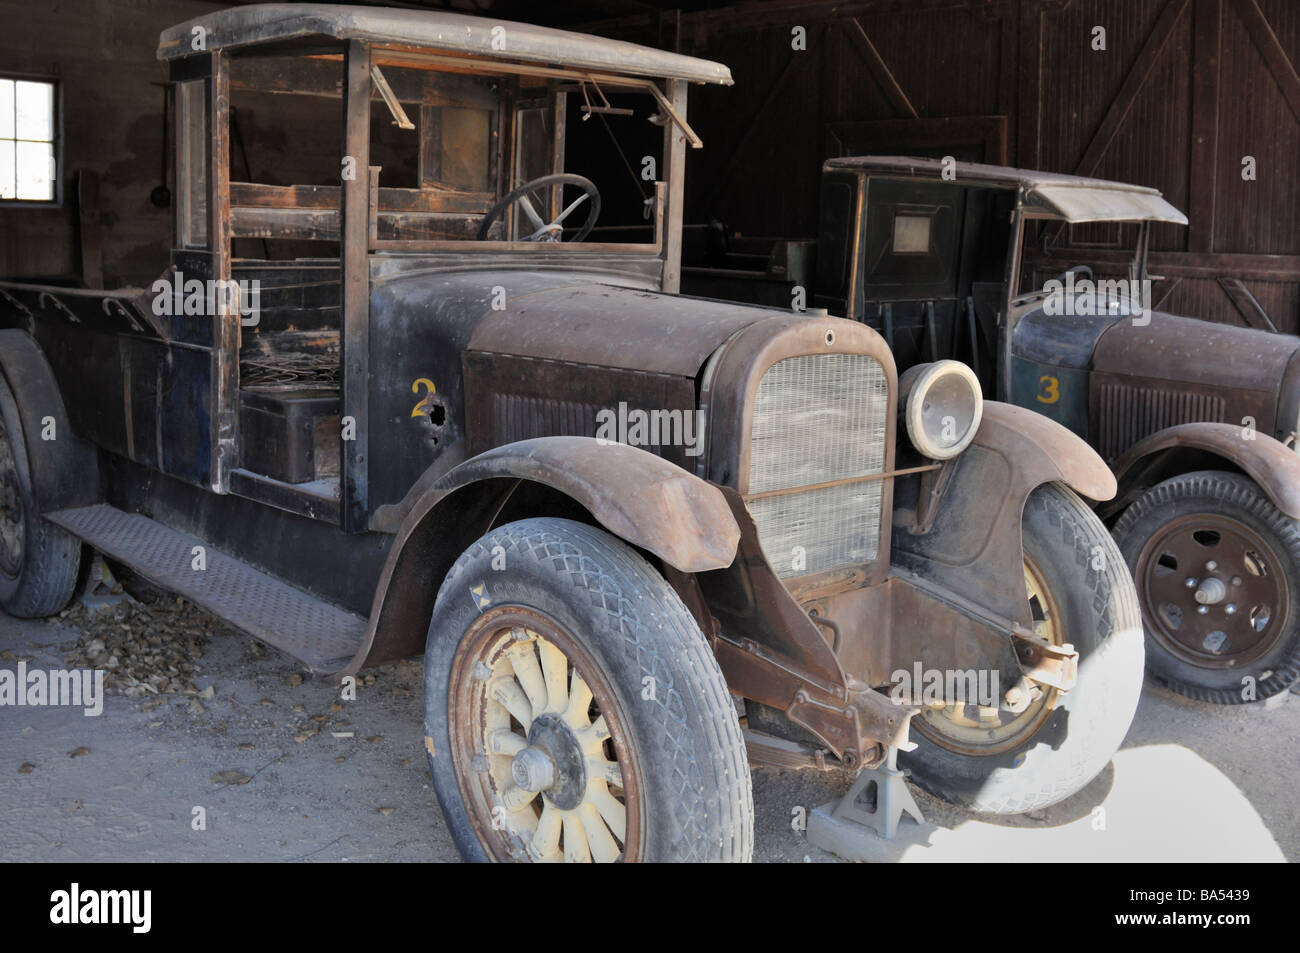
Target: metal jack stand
<point>102,590</point>
<point>892,799</point>
<point>841,827</point>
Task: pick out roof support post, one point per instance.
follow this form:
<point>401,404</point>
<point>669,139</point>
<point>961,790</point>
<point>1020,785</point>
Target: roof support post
<point>355,258</point>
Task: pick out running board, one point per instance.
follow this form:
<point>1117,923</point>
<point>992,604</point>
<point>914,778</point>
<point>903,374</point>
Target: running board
<point>317,633</point>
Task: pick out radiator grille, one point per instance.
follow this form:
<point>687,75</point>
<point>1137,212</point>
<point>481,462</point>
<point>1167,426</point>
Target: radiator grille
<point>1126,414</point>
<point>818,418</point>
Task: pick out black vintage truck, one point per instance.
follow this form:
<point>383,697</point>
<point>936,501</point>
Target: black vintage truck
<point>423,400</point>
<point>1199,421</point>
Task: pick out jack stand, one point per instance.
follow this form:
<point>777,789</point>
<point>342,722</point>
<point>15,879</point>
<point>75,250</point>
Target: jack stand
<point>892,799</point>
<point>102,590</point>
<point>839,827</point>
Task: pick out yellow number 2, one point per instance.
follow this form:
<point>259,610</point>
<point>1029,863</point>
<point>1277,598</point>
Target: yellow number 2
<point>419,410</point>
<point>1051,390</point>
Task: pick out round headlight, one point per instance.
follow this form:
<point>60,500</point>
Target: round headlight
<point>942,405</point>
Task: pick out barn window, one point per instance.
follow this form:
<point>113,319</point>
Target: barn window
<point>29,141</point>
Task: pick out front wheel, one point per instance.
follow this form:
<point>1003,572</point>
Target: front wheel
<point>1080,593</point>
<point>1216,568</point>
<point>574,710</point>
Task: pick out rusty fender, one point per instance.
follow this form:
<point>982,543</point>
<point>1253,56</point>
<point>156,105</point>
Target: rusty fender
<point>635,495</point>
<point>1270,463</point>
<point>971,548</point>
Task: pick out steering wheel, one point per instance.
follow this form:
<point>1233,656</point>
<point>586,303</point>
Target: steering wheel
<point>547,231</point>
<point>1079,271</point>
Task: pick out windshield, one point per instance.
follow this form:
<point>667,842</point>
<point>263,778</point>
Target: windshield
<point>460,158</point>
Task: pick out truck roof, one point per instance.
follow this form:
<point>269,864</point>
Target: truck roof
<point>1071,197</point>
<point>434,30</point>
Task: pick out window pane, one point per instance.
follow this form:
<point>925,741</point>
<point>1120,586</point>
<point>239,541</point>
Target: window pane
<point>193,164</point>
<point>6,109</point>
<point>35,110</point>
<point>7,190</point>
<point>911,234</point>
<point>36,171</point>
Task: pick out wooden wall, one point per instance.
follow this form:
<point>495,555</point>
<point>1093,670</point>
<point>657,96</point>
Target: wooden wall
<point>1184,90</point>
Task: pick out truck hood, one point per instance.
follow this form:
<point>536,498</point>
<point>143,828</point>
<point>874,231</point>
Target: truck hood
<point>1189,350</point>
<point>586,322</point>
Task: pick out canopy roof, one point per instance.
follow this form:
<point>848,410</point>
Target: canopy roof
<point>1070,197</point>
<point>433,30</point>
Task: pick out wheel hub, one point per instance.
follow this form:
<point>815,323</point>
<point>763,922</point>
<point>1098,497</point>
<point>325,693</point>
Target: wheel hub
<point>1213,591</point>
<point>552,763</point>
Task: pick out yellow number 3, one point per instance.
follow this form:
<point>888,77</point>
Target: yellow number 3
<point>1051,390</point>
<point>419,410</point>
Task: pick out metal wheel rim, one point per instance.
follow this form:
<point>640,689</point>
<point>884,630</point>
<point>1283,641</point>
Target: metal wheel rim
<point>12,516</point>
<point>1242,626</point>
<point>973,730</point>
<point>506,669</point>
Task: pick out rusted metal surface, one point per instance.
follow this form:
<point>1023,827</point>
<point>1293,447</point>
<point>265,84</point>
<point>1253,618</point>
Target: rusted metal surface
<point>974,548</point>
<point>585,323</point>
<point>1275,467</point>
<point>1222,612</point>
<point>437,30</point>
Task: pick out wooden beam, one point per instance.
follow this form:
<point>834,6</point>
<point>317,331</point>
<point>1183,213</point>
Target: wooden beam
<point>1247,304</point>
<point>1207,31</point>
<point>225,333</point>
<point>1279,64</point>
<point>880,70</point>
<point>355,252</point>
<point>675,158</point>
<point>1137,76</point>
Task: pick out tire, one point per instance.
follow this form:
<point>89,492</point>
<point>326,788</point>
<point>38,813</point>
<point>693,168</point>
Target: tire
<point>1065,739</point>
<point>1215,525</point>
<point>516,595</point>
<point>38,560</point>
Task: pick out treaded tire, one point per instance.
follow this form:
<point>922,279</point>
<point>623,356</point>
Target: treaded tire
<point>1240,498</point>
<point>1100,615</point>
<point>695,792</point>
<point>51,557</point>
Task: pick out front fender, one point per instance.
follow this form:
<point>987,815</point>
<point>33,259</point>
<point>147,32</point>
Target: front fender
<point>637,496</point>
<point>1270,463</point>
<point>974,547</point>
<point>1044,451</point>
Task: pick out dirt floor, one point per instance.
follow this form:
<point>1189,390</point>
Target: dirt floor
<point>283,770</point>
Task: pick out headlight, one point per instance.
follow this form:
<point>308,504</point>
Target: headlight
<point>942,405</point>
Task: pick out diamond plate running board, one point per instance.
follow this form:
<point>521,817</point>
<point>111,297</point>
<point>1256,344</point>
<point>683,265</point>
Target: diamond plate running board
<point>317,633</point>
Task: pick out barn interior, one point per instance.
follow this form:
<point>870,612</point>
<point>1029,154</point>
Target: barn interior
<point>1197,98</point>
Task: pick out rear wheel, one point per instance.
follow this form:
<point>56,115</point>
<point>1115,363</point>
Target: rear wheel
<point>1079,592</point>
<point>1216,568</point>
<point>574,710</point>
<point>38,560</point>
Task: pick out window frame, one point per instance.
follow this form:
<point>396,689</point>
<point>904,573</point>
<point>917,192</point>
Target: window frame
<point>57,132</point>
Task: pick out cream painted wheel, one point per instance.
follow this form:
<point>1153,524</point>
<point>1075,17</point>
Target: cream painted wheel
<point>534,748</point>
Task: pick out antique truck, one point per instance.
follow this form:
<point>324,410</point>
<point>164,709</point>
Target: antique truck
<point>639,539</point>
<point>1198,421</point>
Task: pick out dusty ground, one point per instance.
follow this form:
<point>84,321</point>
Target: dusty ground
<point>259,754</point>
